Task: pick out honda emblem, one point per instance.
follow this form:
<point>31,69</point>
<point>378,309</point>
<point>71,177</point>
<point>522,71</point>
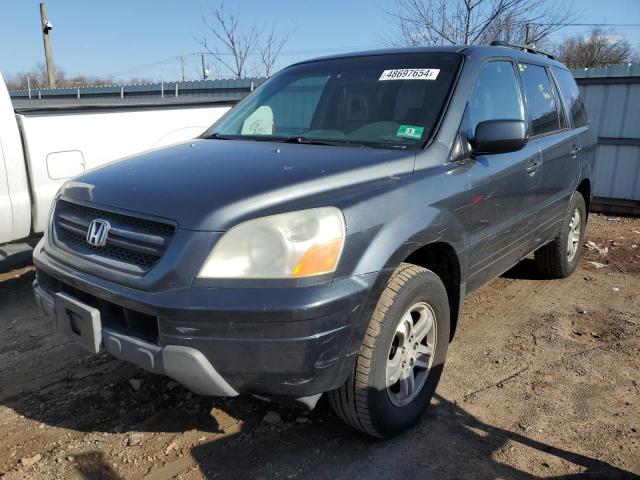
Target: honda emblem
<point>98,232</point>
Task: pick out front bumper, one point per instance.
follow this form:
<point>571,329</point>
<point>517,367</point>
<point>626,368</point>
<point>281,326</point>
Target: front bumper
<point>293,342</point>
<point>184,364</point>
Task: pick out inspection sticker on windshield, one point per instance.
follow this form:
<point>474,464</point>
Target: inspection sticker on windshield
<point>410,74</point>
<point>409,131</point>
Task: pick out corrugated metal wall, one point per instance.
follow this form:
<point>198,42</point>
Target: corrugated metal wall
<point>612,97</point>
<point>224,89</point>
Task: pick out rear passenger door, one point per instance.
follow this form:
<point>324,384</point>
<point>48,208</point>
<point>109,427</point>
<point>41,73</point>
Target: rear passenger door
<point>550,131</point>
<point>583,144</point>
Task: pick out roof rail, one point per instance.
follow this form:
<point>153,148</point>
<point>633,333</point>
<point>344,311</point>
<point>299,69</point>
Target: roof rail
<point>500,43</point>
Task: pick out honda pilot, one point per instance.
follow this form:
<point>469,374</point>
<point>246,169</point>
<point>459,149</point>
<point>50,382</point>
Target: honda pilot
<point>322,236</point>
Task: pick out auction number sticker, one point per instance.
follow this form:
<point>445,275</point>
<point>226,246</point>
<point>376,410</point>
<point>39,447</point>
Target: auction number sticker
<point>410,74</point>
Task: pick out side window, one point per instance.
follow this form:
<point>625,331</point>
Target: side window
<point>571,96</point>
<point>541,101</point>
<point>495,96</point>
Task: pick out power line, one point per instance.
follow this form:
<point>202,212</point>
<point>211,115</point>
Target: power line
<point>320,51</point>
<point>178,58</point>
<point>617,25</point>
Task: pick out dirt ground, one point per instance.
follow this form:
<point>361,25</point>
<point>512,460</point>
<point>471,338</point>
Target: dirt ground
<point>542,380</point>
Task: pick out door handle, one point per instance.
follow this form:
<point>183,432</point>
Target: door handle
<point>533,166</point>
<point>575,150</point>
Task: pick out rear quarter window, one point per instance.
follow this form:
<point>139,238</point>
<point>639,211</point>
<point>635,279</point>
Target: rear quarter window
<point>571,95</point>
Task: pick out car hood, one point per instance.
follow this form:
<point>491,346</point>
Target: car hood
<point>214,184</point>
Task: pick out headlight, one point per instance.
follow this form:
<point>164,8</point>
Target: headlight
<point>289,245</point>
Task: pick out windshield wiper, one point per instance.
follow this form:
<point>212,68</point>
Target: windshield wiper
<point>217,136</point>
<point>296,139</point>
<point>313,141</point>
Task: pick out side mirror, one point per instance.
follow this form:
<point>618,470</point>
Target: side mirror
<point>499,136</point>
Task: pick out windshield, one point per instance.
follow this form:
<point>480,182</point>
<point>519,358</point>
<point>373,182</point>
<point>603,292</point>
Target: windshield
<point>388,101</point>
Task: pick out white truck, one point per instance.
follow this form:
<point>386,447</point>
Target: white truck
<point>44,143</point>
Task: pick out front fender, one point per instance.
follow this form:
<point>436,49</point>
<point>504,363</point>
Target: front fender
<point>384,230</point>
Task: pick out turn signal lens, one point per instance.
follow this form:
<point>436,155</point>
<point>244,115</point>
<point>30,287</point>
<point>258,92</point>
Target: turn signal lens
<point>319,259</point>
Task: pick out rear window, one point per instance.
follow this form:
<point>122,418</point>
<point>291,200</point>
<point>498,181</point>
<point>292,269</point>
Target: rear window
<point>386,101</point>
<point>541,100</point>
<point>571,95</point>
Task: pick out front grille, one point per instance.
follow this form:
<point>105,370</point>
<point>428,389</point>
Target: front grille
<point>112,316</point>
<point>133,245</point>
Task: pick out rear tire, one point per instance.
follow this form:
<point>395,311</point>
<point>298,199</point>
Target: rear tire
<point>560,258</point>
<point>401,357</point>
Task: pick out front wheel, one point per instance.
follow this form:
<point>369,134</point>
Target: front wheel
<point>401,358</point>
<point>560,258</point>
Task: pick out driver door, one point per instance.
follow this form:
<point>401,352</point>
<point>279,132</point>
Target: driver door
<point>504,186</point>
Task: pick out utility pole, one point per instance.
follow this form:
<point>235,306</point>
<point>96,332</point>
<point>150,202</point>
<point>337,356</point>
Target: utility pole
<point>182,65</point>
<point>162,80</point>
<point>204,70</point>
<point>46,28</point>
<point>527,34</point>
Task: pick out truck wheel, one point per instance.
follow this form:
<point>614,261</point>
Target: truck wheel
<point>401,357</point>
<point>560,258</point>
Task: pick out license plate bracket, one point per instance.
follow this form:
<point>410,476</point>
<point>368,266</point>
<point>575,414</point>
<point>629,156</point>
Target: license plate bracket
<point>79,322</point>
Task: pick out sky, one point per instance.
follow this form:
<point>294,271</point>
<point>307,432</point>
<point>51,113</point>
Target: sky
<point>146,38</point>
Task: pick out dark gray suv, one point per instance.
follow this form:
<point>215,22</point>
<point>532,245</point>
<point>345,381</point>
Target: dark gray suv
<point>322,236</point>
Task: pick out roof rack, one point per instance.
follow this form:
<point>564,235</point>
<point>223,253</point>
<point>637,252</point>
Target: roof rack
<point>500,43</point>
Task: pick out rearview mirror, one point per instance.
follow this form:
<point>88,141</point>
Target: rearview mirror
<point>499,136</point>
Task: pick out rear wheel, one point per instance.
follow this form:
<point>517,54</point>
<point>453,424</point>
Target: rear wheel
<point>560,258</point>
<point>401,358</point>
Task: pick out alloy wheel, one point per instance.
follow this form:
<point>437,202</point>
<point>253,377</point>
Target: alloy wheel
<point>573,240</point>
<point>411,354</point>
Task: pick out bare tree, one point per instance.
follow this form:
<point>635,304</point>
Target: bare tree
<point>138,81</point>
<point>37,79</point>
<point>270,50</point>
<point>599,48</point>
<point>443,22</point>
<point>232,42</point>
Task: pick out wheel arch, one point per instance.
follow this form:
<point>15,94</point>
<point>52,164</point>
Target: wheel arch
<point>424,234</point>
<point>442,259</point>
<point>584,187</point>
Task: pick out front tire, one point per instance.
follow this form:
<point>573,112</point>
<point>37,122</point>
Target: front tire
<point>560,258</point>
<point>401,358</point>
